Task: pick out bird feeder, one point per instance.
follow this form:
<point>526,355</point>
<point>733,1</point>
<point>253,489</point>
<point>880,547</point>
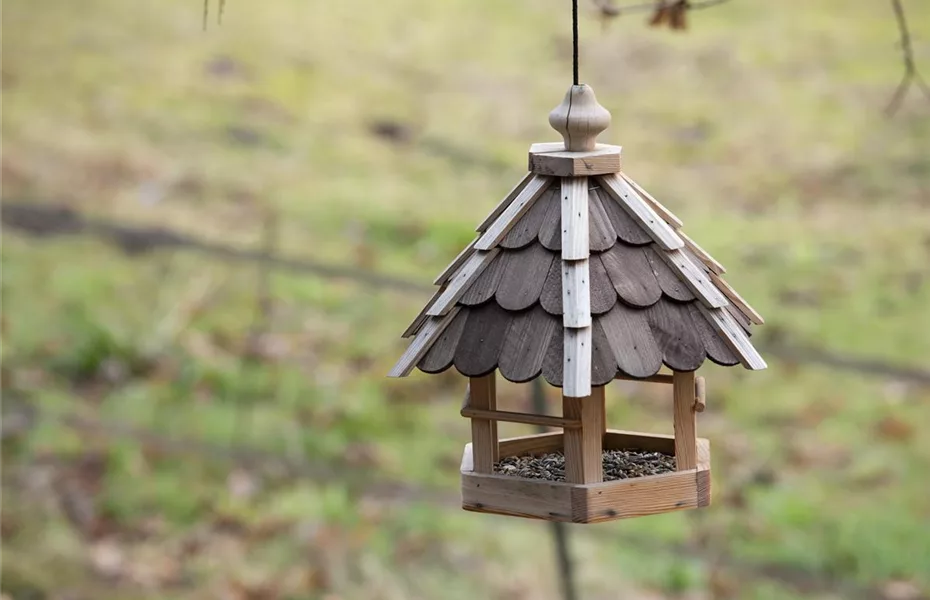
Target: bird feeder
<point>582,277</point>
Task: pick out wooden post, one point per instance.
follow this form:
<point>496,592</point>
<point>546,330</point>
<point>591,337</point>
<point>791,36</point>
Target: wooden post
<point>584,446</point>
<point>482,394</point>
<point>685,420</point>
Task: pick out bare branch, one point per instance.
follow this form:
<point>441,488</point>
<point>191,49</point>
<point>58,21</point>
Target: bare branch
<point>911,74</point>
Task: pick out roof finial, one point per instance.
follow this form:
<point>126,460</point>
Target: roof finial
<point>579,118</point>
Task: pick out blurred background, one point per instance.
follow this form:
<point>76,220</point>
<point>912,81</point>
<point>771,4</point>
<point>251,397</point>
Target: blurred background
<point>213,239</point>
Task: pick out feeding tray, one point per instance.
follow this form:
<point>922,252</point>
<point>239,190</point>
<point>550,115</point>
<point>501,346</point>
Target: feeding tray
<point>591,502</point>
<point>581,277</point>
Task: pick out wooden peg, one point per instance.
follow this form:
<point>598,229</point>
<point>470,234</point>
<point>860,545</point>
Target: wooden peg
<point>579,118</point>
<point>700,391</point>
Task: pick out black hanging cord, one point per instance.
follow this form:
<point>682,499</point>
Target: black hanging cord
<point>575,41</point>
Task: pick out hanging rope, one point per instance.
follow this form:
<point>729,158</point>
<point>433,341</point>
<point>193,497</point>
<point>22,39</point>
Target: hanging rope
<point>575,42</point>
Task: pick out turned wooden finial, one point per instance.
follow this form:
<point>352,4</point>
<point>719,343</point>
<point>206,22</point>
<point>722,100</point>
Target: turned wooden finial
<point>579,118</point>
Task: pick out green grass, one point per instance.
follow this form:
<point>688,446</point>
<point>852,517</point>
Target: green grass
<point>761,127</point>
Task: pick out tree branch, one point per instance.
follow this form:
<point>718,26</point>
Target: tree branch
<point>911,74</point>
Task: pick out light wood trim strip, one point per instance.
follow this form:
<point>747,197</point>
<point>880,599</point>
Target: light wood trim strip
<point>459,283</point>
<point>701,253</point>
<point>576,294</point>
<point>695,278</point>
<point>640,211</point>
<point>483,397</point>
<point>685,421</point>
<point>525,418</point>
<point>657,206</point>
<point>509,217</point>
<point>455,264</point>
<point>735,337</point>
<point>575,218</point>
<point>735,298</point>
<point>503,204</point>
<point>415,325</point>
<point>429,333</point>
<point>576,368</point>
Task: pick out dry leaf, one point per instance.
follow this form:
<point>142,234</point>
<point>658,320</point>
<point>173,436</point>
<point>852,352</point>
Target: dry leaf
<point>894,429</point>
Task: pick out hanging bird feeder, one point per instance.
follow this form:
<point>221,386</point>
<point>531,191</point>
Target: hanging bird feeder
<point>581,277</point>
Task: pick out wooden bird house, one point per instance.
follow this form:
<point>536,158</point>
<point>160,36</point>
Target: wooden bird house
<point>579,275</point>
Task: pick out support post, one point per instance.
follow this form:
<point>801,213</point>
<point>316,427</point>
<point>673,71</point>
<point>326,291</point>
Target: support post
<point>584,446</point>
<point>685,420</point>
<point>482,394</point>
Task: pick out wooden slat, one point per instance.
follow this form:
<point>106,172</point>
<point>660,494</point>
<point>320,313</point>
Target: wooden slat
<point>641,212</point>
<point>524,349</point>
<point>735,337</point>
<point>525,418</point>
<point>685,421</point>
<point>603,294</point>
<point>636,497</point>
<point>575,218</point>
<point>506,202</point>
<point>429,333</point>
<point>576,294</point>
<point>695,278</point>
<point>709,261</point>
<point>627,229</point>
<point>479,348</point>
<point>657,378</point>
<point>458,285</point>
<point>717,349</point>
<point>603,159</point>
<point>456,263</point>
<point>509,217</point>
<point>630,337</point>
<point>602,233</point>
<point>576,361</point>
<point>526,229</point>
<point>736,299</point>
<point>531,444</point>
<point>663,212</point>
<point>672,285</point>
<point>439,357</point>
<point>524,276</point>
<point>619,439</point>
<point>631,274</point>
<point>603,363</point>
<point>583,446</point>
<point>515,496</point>
<point>676,335</point>
<point>483,396</point>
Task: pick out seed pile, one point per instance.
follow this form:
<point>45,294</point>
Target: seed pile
<point>618,464</point>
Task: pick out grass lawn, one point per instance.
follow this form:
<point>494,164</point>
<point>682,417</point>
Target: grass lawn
<point>183,427</point>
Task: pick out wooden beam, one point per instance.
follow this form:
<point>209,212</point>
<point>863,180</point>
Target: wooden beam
<point>584,446</point>
<point>685,421</point>
<point>598,396</point>
<point>700,394</point>
<point>483,396</point>
<point>663,212</point>
<point>576,362</point>
<point>515,417</point>
<point>657,378</point>
<point>602,160</point>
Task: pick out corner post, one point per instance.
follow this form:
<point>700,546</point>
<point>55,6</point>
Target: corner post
<point>685,420</point>
<point>482,393</point>
<point>584,446</point>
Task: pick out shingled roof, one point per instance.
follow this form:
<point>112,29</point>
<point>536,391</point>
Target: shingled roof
<point>587,267</point>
